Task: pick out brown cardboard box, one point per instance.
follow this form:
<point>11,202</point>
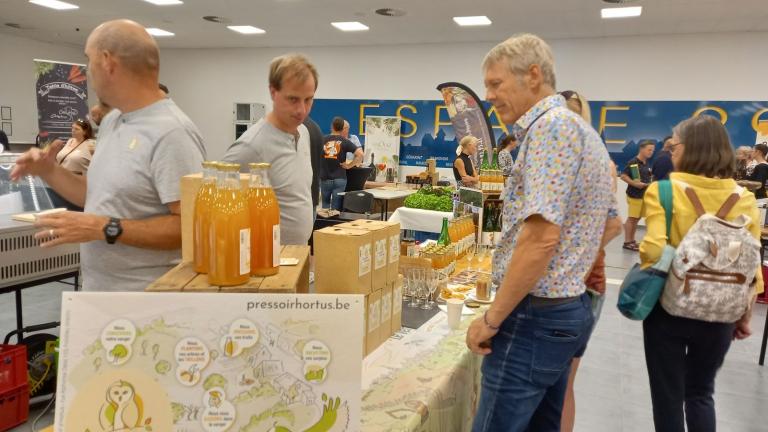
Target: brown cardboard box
<point>343,261</point>
<point>386,314</point>
<point>379,248</point>
<point>397,305</point>
<point>373,322</point>
<point>393,253</point>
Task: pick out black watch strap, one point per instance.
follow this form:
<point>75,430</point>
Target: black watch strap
<point>112,230</point>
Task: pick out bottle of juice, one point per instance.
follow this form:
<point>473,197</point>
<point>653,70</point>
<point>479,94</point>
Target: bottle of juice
<point>202,218</point>
<point>230,232</point>
<point>265,222</point>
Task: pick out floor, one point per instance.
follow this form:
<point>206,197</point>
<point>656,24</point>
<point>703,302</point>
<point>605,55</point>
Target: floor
<point>612,391</point>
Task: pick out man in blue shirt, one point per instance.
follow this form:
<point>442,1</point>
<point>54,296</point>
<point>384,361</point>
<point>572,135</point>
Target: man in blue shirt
<point>662,166</point>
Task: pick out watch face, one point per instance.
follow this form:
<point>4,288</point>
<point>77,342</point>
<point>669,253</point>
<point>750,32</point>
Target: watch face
<point>112,230</point>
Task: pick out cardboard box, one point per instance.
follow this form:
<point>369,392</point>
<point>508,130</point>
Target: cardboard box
<point>393,253</point>
<point>386,314</point>
<point>379,249</point>
<point>343,261</point>
<point>397,306</point>
<point>373,322</point>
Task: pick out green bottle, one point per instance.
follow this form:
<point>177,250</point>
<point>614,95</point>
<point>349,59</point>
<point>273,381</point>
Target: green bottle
<point>495,173</point>
<point>445,238</point>
<point>485,168</point>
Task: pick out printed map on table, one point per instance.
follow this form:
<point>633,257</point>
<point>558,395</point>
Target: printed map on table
<point>183,362</point>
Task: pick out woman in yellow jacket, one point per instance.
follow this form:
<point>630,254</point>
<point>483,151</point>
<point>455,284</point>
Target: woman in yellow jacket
<point>683,355</point>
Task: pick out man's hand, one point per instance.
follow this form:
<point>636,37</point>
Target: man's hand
<point>479,337</point>
<point>641,185</point>
<point>37,162</point>
<point>346,165</point>
<point>70,227</point>
<point>742,330</point>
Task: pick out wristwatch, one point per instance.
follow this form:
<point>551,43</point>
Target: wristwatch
<point>112,230</point>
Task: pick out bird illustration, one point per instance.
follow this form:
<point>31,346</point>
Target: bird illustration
<point>123,409</point>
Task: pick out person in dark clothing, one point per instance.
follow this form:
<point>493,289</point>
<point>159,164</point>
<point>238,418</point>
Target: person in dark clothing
<point>315,146</point>
<point>334,164</point>
<point>760,173</point>
<point>662,166</point>
<point>637,175</point>
<point>463,169</point>
<point>4,144</point>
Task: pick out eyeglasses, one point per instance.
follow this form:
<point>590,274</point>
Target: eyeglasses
<point>674,146</point>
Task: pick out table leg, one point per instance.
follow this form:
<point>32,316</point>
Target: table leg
<point>19,317</point>
<point>765,341</point>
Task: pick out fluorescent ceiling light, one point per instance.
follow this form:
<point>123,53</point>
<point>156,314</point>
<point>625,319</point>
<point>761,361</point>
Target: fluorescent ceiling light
<point>350,26</point>
<point>246,29</point>
<point>622,12</point>
<point>165,2</point>
<point>159,32</point>
<point>481,20</point>
<point>55,4</point>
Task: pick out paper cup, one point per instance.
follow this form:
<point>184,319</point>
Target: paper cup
<point>455,306</point>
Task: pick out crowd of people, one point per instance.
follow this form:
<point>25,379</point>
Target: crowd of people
<point>549,264</point>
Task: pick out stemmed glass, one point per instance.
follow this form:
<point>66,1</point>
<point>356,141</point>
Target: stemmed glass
<point>429,283</point>
<point>414,286</point>
<point>480,254</point>
<point>470,256</point>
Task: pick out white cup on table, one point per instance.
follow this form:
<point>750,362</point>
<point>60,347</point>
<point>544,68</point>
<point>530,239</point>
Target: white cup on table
<point>455,307</point>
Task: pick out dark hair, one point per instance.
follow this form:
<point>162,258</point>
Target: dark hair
<point>85,125</point>
<point>645,143</point>
<point>708,151</point>
<point>762,148</point>
<point>506,141</point>
<point>337,124</point>
<point>570,94</point>
<point>666,138</point>
<point>164,88</point>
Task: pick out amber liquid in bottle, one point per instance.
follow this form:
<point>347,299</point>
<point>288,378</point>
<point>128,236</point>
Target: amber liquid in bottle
<point>265,222</point>
<point>202,218</point>
<point>230,232</point>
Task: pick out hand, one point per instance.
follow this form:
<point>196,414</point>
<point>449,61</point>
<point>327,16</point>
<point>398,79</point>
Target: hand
<point>37,161</point>
<point>479,337</point>
<point>641,185</point>
<point>70,227</point>
<point>346,165</point>
<point>742,330</point>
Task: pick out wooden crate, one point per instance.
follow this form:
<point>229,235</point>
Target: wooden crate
<point>290,279</point>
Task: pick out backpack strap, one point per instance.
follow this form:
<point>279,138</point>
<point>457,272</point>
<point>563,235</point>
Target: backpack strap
<point>727,206</point>
<point>691,194</point>
<point>665,197</point>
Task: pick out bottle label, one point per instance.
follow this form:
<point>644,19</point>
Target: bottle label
<point>381,253</point>
<point>275,245</point>
<point>394,249</point>
<point>245,251</point>
<point>364,260</point>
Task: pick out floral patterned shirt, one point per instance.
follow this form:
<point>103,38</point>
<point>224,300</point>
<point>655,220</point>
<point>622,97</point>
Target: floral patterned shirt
<point>561,173</point>
<point>506,162</point>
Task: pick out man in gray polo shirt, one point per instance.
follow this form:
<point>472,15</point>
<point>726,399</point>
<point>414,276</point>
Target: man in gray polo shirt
<point>283,141</point>
<point>131,229</point>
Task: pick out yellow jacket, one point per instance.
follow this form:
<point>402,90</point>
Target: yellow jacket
<point>712,193</point>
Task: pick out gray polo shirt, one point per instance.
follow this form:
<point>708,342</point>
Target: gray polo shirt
<point>290,174</point>
<point>134,174</point>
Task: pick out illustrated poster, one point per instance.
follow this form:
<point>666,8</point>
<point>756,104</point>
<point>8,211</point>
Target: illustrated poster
<point>382,143</point>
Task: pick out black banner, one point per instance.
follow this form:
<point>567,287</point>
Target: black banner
<point>62,98</point>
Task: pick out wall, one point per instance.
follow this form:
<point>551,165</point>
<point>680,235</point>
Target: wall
<point>17,79</point>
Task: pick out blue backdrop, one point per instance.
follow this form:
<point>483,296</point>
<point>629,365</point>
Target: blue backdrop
<point>427,132</point>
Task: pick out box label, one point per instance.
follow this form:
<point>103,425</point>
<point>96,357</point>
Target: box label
<point>381,253</point>
<point>394,249</point>
<point>374,316</point>
<point>386,306</point>
<point>245,251</point>
<point>397,299</point>
<point>364,260</point>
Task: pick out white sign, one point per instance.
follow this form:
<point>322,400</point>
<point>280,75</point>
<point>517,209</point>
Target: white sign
<point>382,141</point>
<point>186,362</point>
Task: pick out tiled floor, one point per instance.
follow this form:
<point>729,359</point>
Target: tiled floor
<point>612,385</point>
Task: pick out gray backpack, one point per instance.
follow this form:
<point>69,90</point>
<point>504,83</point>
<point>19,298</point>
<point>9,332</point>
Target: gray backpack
<point>713,273</point>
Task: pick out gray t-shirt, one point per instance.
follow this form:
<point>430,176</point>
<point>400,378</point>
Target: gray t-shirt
<point>135,173</point>
<point>290,174</point>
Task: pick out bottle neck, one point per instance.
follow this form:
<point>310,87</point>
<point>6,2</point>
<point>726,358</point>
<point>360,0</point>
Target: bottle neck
<point>259,179</point>
<point>229,180</point>
<point>209,175</point>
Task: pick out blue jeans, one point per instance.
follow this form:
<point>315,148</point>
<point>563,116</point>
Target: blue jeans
<point>526,374</point>
<point>330,190</point>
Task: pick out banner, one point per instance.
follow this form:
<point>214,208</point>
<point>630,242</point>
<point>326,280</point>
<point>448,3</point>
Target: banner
<point>62,97</point>
<point>427,131</point>
<point>468,117</point>
<point>383,145</point>
<point>179,362</point>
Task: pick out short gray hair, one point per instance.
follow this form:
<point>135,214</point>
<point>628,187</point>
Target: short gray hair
<point>520,52</point>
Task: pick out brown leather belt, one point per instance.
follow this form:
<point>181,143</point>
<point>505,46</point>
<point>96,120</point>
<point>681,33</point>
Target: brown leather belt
<point>547,301</point>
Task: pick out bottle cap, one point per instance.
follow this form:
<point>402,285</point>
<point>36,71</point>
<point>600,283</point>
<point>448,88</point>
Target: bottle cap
<point>259,165</point>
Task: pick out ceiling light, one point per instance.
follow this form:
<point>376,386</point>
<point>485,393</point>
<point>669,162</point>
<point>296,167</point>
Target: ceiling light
<point>623,12</point>
<point>472,20</point>
<point>159,32</point>
<point>246,29</point>
<point>55,4</point>
<point>350,26</point>
<point>165,2</point>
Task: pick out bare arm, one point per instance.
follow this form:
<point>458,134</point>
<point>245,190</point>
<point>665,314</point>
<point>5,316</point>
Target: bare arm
<point>465,178</point>
<point>634,183</point>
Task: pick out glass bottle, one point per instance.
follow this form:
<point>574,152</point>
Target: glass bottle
<point>265,222</point>
<point>230,232</point>
<point>485,167</point>
<point>202,218</point>
<point>444,238</point>
<point>495,171</point>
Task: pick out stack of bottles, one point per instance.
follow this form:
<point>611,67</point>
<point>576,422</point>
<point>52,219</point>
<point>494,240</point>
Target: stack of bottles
<point>491,178</point>
<point>236,230</point>
<point>461,231</point>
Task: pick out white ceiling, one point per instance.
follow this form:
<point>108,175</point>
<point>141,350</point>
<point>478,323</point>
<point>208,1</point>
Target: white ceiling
<point>291,23</point>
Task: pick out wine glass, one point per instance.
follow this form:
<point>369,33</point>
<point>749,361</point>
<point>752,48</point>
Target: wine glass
<point>414,287</point>
<point>470,256</point>
<point>429,281</point>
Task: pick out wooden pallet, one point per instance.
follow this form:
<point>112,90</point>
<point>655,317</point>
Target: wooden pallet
<point>290,279</point>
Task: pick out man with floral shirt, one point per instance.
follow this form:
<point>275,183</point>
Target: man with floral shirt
<point>556,203</point>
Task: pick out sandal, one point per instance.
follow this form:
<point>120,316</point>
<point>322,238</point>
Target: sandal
<point>633,246</point>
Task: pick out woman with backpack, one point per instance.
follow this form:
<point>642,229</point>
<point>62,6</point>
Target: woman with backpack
<point>711,287</point>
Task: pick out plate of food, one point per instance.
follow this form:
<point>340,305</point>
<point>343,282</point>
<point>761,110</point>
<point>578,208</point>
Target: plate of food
<point>452,292</point>
<point>471,296</point>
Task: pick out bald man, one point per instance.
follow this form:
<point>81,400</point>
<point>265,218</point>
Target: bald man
<point>130,232</point>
